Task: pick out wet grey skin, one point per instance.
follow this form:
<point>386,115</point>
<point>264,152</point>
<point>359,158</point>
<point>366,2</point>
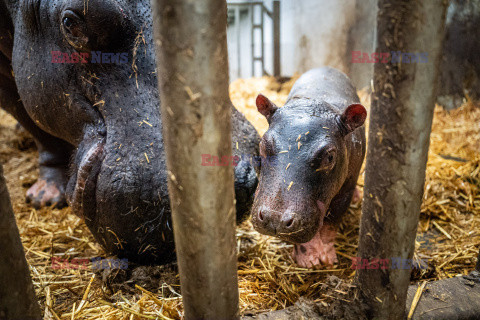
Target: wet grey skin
<point>311,156</point>
<point>95,125</point>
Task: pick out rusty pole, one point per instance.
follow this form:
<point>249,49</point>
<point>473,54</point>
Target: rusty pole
<point>192,59</point>
<point>17,296</point>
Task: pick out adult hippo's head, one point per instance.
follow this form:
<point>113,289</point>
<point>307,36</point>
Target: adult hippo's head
<point>107,108</point>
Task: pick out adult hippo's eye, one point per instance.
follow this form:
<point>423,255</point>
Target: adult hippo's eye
<point>68,23</point>
<point>325,159</point>
<point>74,30</point>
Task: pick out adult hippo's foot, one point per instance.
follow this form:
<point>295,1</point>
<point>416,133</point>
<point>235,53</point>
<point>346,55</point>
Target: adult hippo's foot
<point>318,251</point>
<point>52,178</point>
<point>49,188</point>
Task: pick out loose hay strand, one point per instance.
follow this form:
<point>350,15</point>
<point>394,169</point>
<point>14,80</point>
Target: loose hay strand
<point>416,299</point>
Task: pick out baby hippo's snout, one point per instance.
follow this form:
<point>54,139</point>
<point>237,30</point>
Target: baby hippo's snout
<point>276,223</point>
<point>290,225</point>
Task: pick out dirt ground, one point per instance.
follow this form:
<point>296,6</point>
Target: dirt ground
<point>448,239</point>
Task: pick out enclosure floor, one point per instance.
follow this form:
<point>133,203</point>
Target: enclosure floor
<point>448,234</point>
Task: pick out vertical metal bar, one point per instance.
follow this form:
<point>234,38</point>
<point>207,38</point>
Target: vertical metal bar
<point>276,38</point>
<point>252,23</point>
<point>262,37</point>
<point>196,117</point>
<point>237,31</point>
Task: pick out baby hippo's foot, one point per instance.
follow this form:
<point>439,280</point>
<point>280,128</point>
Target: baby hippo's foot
<point>318,251</point>
<point>49,188</point>
<point>357,195</point>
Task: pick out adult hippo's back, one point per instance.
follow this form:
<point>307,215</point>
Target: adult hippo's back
<point>97,125</point>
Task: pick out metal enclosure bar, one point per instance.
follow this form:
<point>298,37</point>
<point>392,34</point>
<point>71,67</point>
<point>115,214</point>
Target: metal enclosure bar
<point>257,29</point>
<point>238,36</point>
<point>276,39</point>
<point>258,26</point>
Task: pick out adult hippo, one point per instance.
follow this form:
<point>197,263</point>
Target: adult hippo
<point>96,119</point>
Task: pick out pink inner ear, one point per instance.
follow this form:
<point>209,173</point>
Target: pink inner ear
<point>264,106</point>
<point>355,115</point>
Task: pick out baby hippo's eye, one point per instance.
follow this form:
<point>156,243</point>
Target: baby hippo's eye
<point>267,148</point>
<point>74,30</point>
<point>326,160</point>
<point>330,158</point>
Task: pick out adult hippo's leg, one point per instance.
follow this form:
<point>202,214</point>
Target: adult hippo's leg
<point>49,189</point>
<point>54,154</point>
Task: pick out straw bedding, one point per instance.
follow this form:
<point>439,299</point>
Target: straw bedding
<point>448,233</point>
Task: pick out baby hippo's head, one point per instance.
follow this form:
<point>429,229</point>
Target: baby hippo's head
<point>304,165</point>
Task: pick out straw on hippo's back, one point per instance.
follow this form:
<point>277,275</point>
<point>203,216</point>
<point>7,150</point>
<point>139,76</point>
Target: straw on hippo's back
<point>313,152</point>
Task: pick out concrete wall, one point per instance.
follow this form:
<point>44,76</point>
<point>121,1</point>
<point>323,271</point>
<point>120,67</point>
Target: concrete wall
<point>313,33</point>
<point>460,65</point>
<point>318,32</point>
<point>362,37</point>
<point>325,32</point>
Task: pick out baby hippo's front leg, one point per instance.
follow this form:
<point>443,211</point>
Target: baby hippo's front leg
<point>318,251</point>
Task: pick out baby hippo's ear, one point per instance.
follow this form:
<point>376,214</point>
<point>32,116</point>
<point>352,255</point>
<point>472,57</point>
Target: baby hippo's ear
<point>265,106</point>
<point>353,117</point>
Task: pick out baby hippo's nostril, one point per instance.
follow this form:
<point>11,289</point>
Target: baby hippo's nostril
<point>260,215</point>
<point>102,132</point>
<point>289,222</point>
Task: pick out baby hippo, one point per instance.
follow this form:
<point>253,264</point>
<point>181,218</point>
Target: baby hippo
<point>311,158</point>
